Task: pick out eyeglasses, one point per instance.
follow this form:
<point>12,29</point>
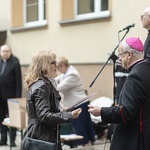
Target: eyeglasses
<point>121,54</point>
<point>142,16</point>
<point>54,62</point>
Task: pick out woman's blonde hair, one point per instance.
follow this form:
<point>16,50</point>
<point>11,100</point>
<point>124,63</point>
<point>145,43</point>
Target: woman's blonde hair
<point>39,66</point>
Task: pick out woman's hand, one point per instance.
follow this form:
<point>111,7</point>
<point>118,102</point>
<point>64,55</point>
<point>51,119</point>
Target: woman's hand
<point>76,113</point>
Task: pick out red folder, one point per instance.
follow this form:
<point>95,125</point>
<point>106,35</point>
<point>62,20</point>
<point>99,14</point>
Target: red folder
<point>81,101</point>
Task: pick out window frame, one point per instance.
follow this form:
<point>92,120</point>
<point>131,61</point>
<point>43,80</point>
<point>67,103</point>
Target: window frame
<point>41,21</point>
<point>96,14</point>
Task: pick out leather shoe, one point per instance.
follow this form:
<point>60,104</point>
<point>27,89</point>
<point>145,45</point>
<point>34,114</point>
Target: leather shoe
<point>13,144</point>
<point>2,143</point>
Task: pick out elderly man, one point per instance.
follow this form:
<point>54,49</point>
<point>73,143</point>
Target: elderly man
<point>132,114</point>
<point>145,19</point>
<point>10,87</point>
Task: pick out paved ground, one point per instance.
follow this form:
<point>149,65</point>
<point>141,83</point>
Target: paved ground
<point>18,141</point>
<point>99,145</point>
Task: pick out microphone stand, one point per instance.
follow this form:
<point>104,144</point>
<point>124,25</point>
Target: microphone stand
<point>113,57</point>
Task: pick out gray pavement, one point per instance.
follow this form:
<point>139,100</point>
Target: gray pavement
<point>18,141</point>
<point>99,145</point>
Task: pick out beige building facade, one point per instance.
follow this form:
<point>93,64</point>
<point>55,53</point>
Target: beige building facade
<point>85,31</point>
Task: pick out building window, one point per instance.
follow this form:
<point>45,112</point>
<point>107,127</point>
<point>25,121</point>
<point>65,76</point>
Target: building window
<point>91,8</point>
<point>34,12</point>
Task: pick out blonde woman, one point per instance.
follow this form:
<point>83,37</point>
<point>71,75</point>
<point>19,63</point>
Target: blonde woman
<point>43,100</point>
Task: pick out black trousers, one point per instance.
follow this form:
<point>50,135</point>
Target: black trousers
<point>4,129</point>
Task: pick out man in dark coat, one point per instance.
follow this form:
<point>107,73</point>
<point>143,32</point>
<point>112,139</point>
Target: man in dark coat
<point>145,19</point>
<point>132,114</point>
<point>10,87</point>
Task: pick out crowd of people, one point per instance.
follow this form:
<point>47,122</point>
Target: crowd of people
<point>49,96</point>
<point>131,115</point>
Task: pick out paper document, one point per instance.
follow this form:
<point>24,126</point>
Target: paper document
<point>81,101</point>
<point>68,136</point>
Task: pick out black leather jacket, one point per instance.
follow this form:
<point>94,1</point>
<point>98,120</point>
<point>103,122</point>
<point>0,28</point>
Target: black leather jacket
<point>43,111</point>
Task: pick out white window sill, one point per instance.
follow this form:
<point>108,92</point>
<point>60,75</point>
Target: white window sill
<point>83,19</point>
<point>24,28</point>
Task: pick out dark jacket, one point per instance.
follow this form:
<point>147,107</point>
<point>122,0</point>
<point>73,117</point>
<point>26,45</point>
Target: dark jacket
<point>132,116</point>
<point>120,77</point>
<point>43,112</point>
<point>11,80</point>
<point>147,46</point>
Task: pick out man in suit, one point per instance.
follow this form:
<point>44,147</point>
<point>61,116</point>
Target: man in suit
<point>10,87</point>
<point>145,20</point>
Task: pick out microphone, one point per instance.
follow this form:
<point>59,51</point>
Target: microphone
<point>127,27</point>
